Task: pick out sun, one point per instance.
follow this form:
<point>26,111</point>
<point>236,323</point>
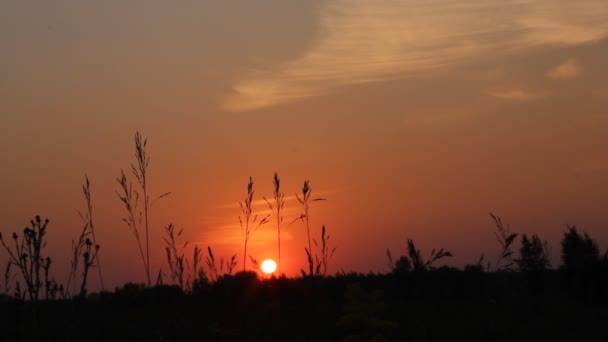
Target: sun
<point>269,266</point>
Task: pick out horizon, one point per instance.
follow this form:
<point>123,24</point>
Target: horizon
<point>413,119</point>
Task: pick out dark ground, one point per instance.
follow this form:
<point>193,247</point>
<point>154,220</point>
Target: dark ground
<point>442,305</point>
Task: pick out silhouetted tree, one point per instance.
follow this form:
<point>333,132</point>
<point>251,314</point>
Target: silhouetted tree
<point>402,264</point>
<point>579,252</point>
<point>533,254</point>
<point>581,265</point>
<point>533,262</point>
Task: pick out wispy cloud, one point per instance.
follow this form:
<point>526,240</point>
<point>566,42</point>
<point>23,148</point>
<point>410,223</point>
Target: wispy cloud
<point>516,94</point>
<point>371,40</point>
<point>567,70</point>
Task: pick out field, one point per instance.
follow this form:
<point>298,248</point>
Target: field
<point>438,305</point>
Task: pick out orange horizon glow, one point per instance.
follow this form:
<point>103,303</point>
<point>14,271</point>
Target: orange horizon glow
<point>413,118</point>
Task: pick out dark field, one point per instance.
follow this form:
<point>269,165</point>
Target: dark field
<point>440,305</point>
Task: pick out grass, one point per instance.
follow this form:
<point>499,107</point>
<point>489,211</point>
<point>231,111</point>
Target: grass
<point>414,260</point>
<point>326,252</point>
<point>83,247</point>
<point>506,239</point>
<point>279,203</point>
<point>137,203</point>
<point>217,268</point>
<point>248,223</point>
<point>304,201</point>
<point>182,271</point>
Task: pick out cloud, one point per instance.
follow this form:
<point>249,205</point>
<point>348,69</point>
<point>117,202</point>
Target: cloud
<point>365,41</point>
<point>568,70</point>
<point>516,94</point>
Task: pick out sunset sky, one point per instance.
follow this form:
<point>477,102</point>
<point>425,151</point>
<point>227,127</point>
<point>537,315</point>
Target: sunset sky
<point>414,118</point>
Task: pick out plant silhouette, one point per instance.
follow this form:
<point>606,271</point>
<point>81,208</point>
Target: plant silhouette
<point>304,201</point>
<point>533,254</point>
<point>27,256</point>
<point>279,203</point>
<point>579,252</point>
<point>506,239</point>
<point>137,203</point>
<point>248,223</point>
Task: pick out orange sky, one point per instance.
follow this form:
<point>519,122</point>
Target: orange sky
<point>414,118</point>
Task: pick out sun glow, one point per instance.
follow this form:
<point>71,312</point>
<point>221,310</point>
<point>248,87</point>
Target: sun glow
<point>269,266</point>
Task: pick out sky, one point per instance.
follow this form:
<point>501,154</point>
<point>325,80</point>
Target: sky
<point>415,119</point>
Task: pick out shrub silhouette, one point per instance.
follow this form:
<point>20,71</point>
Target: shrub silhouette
<point>28,257</point>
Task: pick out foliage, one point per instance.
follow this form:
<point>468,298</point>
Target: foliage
<point>414,259</point>
<point>533,254</point>
<point>217,268</point>
<point>505,238</point>
<point>579,252</point>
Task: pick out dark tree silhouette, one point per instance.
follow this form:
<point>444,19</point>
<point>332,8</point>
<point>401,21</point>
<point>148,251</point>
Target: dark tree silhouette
<point>579,252</point>
<point>533,254</point>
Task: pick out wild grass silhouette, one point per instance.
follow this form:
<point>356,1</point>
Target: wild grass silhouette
<point>83,247</point>
<point>248,223</point>
<point>304,200</point>
<point>520,296</point>
<point>137,203</point>
<point>277,206</point>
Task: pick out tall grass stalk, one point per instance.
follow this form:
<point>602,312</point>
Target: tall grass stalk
<point>279,201</point>
<point>138,217</point>
<point>130,199</point>
<point>84,244</point>
<point>506,239</point>
<point>248,224</point>
<point>325,251</point>
<point>180,271</point>
<point>304,201</point>
<point>175,258</point>
<point>140,172</point>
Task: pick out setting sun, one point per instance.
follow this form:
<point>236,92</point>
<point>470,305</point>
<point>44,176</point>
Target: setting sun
<point>269,266</point>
